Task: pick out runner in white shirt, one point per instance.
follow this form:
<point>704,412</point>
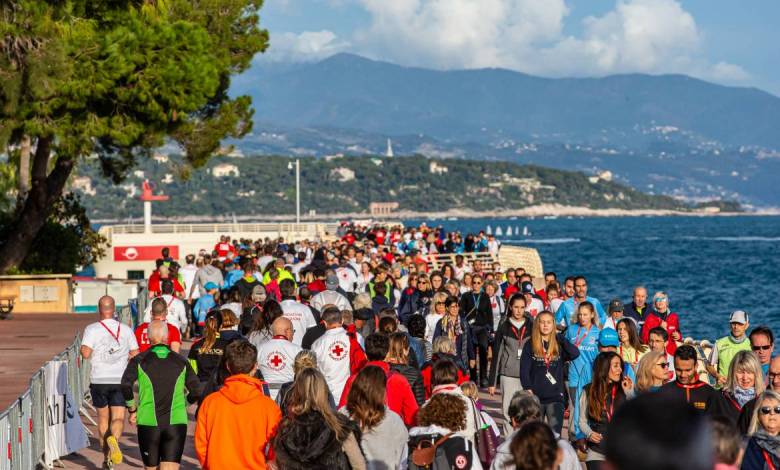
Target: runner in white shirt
<point>276,356</point>
<point>300,315</point>
<point>109,345</point>
<point>332,350</point>
<point>330,295</point>
<point>177,312</point>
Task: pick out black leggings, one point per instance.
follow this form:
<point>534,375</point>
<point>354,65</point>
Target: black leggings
<point>594,464</point>
<point>161,443</point>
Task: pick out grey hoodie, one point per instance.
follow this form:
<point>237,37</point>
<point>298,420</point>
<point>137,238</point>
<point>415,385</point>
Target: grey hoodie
<point>208,274</point>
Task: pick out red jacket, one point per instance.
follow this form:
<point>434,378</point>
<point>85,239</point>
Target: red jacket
<point>426,375</point>
<point>672,324</point>
<point>398,395</point>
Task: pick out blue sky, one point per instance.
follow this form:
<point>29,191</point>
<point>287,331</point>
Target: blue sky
<point>727,42</point>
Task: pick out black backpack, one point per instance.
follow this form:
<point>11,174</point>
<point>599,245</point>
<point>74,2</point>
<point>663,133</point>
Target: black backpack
<point>437,452</point>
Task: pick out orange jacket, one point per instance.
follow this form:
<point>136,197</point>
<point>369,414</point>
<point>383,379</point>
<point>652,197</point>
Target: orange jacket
<point>235,425</point>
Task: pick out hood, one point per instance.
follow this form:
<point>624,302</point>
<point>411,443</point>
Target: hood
<point>230,335</point>
<point>242,388</point>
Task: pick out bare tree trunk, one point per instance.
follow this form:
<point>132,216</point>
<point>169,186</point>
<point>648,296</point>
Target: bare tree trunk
<point>44,190</point>
<point>25,147</point>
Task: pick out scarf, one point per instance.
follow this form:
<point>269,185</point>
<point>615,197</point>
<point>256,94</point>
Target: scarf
<point>451,328</point>
<point>743,395</point>
<point>768,443</point>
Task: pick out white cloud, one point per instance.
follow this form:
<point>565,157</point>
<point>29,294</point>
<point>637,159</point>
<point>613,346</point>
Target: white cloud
<point>308,45</point>
<point>651,36</point>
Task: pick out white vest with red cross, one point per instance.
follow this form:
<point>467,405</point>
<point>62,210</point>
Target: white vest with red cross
<point>332,350</point>
<point>275,359</point>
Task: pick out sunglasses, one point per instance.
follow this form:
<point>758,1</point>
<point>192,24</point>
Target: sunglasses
<point>768,410</point>
<point>766,347</point>
<point>663,365</point>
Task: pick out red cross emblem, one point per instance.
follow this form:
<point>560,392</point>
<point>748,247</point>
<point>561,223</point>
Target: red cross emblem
<point>337,350</point>
<point>275,361</point>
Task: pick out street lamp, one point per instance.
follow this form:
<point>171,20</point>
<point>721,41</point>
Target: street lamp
<point>297,189</point>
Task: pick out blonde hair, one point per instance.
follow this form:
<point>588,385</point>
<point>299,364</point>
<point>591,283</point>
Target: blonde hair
<point>470,390</point>
<point>439,297</point>
<point>305,359</point>
<point>745,361</point>
<point>310,393</point>
<point>644,374</point>
<point>443,344</point>
<point>537,344</point>
<point>768,394</point>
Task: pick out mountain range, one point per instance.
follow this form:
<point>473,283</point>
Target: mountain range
<point>668,134</point>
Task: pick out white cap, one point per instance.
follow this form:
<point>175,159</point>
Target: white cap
<point>739,316</point>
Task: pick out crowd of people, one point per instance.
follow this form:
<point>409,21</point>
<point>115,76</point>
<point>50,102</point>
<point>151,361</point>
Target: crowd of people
<point>354,354</point>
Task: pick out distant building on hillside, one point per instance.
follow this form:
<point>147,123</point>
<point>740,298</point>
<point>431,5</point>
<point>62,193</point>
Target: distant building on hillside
<point>342,174</point>
<point>382,209</point>
<point>389,153</point>
<point>437,169</point>
<point>225,170</point>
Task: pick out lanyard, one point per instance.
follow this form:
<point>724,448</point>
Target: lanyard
<point>579,339</point>
<point>688,389</point>
<point>547,358</point>
<point>522,332</point>
<point>611,409</point>
<point>768,460</point>
<point>115,336</point>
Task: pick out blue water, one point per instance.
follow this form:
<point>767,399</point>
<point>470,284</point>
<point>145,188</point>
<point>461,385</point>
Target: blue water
<point>709,266</point>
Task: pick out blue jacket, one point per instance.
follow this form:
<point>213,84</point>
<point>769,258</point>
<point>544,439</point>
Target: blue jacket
<point>754,456</point>
<point>533,371</point>
<point>567,309</point>
<point>202,306</point>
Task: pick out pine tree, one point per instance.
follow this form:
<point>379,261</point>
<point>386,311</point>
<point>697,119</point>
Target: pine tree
<point>114,79</point>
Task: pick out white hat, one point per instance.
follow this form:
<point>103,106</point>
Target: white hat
<point>739,316</point>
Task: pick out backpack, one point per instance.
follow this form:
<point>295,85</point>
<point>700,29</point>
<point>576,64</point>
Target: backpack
<point>426,452</point>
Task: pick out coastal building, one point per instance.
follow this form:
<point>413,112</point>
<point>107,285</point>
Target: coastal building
<point>382,209</point>
<point>389,152</point>
<point>225,170</point>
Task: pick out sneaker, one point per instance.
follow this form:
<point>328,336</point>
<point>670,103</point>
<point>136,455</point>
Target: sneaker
<point>114,453</point>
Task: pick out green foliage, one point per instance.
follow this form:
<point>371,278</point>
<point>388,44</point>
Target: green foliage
<point>66,242</point>
<point>118,77</point>
<point>267,186</point>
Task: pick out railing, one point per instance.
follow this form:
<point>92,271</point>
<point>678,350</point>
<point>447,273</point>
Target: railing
<point>508,256</point>
<point>23,424</point>
<point>313,228</point>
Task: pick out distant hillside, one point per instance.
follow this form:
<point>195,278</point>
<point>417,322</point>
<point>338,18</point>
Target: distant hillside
<point>349,91</point>
<point>264,185</point>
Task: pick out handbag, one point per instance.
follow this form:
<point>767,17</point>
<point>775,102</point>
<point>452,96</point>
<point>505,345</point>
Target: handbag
<point>425,452</point>
<point>485,441</point>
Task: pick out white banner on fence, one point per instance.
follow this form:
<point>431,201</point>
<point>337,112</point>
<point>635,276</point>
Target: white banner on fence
<point>65,433</point>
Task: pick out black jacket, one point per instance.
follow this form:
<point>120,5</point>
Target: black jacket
<point>415,379</point>
<point>746,416</point>
<point>631,311</point>
<point>479,315</point>
<point>306,442</point>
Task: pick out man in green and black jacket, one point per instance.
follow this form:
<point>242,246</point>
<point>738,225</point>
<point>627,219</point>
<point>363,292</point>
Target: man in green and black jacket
<point>166,382</point>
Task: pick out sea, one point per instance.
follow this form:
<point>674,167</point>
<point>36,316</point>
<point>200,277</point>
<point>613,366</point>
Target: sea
<point>709,266</point>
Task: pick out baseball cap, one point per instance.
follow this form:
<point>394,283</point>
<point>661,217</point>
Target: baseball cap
<point>210,286</point>
<point>608,337</point>
<point>527,288</point>
<point>739,316</point>
<point>615,305</point>
<point>332,282</point>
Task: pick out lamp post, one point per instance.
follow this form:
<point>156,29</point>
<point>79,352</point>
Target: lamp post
<point>297,189</point>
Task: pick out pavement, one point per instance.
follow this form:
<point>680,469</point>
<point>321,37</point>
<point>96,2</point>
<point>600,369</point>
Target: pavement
<point>27,342</point>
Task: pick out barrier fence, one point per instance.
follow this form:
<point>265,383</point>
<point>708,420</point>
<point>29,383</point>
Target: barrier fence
<point>23,425</point>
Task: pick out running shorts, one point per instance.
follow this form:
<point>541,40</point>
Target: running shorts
<point>161,443</point>
<point>104,395</point>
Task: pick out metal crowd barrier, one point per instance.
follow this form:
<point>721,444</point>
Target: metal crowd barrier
<point>23,425</point>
